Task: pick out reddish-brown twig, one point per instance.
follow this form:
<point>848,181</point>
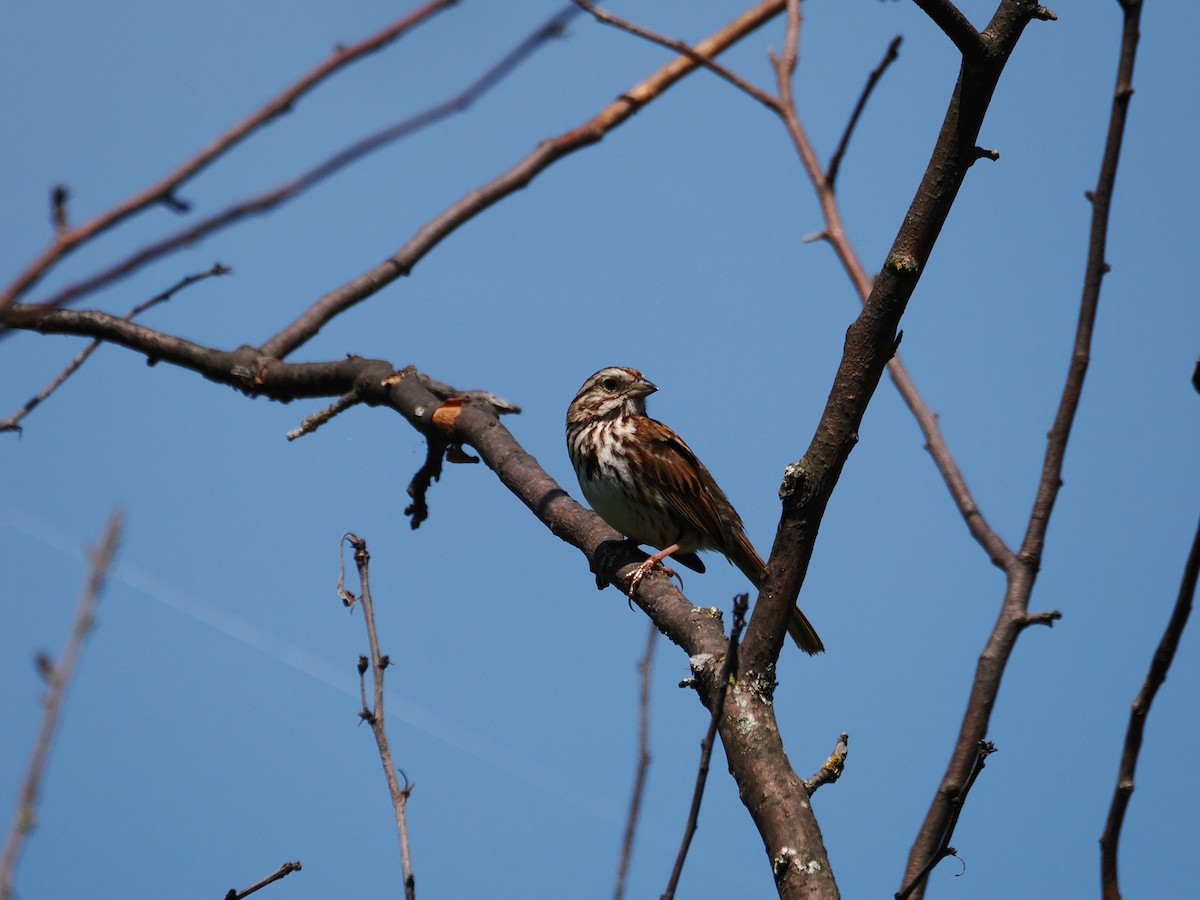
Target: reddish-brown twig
<point>59,677</point>
<point>164,190</point>
<point>519,176</point>
<point>268,200</point>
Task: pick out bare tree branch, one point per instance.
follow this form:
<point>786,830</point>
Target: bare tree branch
<point>831,769</point>
<point>1021,571</point>
<point>164,190</point>
<point>695,55</point>
<point>943,850</point>
<point>373,713</point>
<point>12,422</point>
<point>835,162</point>
<point>519,176</point>
<point>282,872</point>
<point>741,603</point>
<point>59,676</point>
<point>268,200</point>
<point>1159,666</point>
<point>643,762</point>
<point>957,27</point>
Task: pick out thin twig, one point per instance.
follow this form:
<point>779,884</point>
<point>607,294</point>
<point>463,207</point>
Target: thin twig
<point>520,175</point>
<point>643,763</point>
<point>374,714</point>
<point>831,769</point>
<point>943,850</point>
<point>59,677</point>
<point>678,46</point>
<point>311,423</point>
<point>58,208</point>
<point>1164,655</point>
<point>741,603</point>
<point>835,162</point>
<point>282,872</point>
<point>269,199</point>
<point>164,190</point>
<point>12,423</point>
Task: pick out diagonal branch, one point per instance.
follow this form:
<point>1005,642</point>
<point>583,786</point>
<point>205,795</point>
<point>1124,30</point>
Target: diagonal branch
<point>282,872</point>
<point>956,26</point>
<point>519,176</point>
<point>1159,666</point>
<point>268,200</point>
<point>835,162</point>
<point>164,190</point>
<point>59,675</point>
<point>12,422</point>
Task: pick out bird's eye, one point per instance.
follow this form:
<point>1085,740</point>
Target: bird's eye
<point>609,384</point>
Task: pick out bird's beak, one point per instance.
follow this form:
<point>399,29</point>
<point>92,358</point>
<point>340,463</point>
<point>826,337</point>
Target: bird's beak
<point>642,388</point>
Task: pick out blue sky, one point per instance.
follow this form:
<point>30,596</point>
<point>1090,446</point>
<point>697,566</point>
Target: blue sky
<point>212,731</point>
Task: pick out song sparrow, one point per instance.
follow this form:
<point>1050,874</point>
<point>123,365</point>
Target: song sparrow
<point>645,482</point>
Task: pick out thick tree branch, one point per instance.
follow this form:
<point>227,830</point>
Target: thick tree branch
<point>871,339</point>
<point>164,190</point>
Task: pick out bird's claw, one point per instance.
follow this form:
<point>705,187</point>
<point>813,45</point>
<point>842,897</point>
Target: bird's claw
<point>635,577</point>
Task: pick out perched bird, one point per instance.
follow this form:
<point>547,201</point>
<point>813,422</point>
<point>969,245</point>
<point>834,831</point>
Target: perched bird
<point>645,482</point>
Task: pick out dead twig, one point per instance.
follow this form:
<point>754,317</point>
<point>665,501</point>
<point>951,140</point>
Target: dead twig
<point>59,675</point>
<point>831,769</point>
<point>12,422</point>
<point>643,764</point>
<point>281,193</point>
<point>165,190</point>
<point>373,712</point>
<point>982,752</point>
<point>741,604</point>
<point>1164,655</point>
<point>283,871</point>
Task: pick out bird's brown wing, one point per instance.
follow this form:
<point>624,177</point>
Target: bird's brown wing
<point>689,490</point>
